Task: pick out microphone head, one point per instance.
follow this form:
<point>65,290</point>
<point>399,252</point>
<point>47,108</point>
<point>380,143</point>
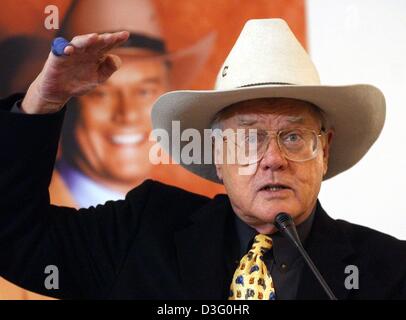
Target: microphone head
<point>286,226</point>
<point>282,221</point>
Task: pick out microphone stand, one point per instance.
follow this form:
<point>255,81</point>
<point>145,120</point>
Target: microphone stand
<point>284,223</point>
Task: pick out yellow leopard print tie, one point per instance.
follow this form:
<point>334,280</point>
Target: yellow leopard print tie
<point>251,279</point>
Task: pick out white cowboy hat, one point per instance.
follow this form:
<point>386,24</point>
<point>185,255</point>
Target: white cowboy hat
<point>268,61</point>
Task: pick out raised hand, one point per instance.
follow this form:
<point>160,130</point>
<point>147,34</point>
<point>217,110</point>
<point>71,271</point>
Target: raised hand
<point>86,63</point>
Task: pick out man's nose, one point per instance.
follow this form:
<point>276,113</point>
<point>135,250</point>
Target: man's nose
<point>126,110</point>
<point>273,158</point>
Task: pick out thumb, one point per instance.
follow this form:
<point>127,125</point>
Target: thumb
<point>110,64</point>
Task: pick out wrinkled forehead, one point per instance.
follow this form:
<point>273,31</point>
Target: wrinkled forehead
<point>270,111</point>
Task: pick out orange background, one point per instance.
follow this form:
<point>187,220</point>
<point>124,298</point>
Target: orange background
<point>183,21</point>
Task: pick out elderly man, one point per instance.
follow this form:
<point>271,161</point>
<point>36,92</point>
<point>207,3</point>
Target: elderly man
<point>163,242</point>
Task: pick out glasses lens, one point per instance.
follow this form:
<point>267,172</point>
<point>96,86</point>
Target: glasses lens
<point>248,146</point>
<point>250,142</point>
<point>298,144</point>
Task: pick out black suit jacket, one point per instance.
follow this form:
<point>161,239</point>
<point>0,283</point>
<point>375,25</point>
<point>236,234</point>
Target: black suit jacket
<point>160,242</point>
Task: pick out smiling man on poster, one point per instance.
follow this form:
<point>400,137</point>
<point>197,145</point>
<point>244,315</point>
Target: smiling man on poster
<point>166,243</point>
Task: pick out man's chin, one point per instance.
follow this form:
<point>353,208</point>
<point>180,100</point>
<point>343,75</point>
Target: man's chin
<point>271,208</point>
<point>129,176</point>
<point>267,228</point>
<point>268,215</point>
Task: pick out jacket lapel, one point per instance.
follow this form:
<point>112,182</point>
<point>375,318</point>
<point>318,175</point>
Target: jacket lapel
<point>204,252</point>
<point>208,250</point>
<point>329,247</point>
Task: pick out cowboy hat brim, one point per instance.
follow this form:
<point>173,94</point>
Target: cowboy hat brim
<point>355,112</point>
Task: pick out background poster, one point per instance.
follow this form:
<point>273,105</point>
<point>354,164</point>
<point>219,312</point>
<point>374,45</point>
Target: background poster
<point>98,158</point>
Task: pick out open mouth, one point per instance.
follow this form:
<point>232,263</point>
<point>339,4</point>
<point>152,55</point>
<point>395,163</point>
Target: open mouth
<point>273,187</point>
<point>127,139</point>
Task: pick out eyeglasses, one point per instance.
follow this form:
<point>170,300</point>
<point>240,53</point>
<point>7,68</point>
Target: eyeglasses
<point>298,144</point>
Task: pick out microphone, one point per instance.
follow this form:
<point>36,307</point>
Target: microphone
<point>285,224</point>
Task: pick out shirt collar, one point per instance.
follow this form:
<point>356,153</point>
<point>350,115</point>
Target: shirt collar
<point>283,251</point>
<point>85,191</point>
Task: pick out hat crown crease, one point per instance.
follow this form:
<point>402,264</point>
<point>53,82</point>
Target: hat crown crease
<point>266,44</point>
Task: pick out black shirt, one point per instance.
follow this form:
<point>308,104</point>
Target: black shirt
<point>283,260</point>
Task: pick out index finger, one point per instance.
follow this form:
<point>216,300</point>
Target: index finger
<point>84,41</point>
<point>108,41</point>
<point>96,42</point>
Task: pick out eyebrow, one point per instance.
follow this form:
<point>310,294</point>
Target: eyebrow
<point>251,121</point>
<point>246,121</point>
<point>295,119</point>
<point>151,80</point>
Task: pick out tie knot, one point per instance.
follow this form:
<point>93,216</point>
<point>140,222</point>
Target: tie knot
<point>261,244</point>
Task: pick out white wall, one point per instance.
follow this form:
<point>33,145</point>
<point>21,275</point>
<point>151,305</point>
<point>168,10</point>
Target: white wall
<point>356,41</point>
